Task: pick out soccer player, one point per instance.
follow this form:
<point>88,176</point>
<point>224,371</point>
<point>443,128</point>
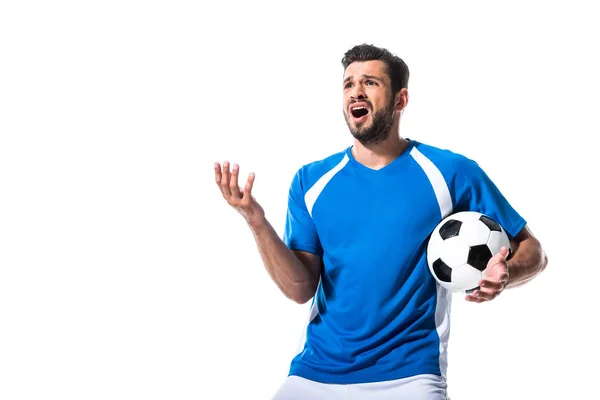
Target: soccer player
<point>355,244</point>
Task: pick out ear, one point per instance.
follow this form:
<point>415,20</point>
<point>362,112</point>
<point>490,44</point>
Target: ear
<point>401,99</point>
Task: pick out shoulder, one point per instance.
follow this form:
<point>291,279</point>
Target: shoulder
<point>308,174</point>
<point>446,160</point>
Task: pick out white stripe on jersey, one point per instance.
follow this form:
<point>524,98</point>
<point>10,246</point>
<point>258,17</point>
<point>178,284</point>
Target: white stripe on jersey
<point>444,297</point>
<point>313,193</point>
<point>442,193</point>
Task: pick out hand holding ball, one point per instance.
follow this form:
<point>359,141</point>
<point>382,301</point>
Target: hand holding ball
<point>460,248</point>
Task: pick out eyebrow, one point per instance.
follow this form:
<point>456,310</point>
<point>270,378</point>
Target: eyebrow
<point>375,78</point>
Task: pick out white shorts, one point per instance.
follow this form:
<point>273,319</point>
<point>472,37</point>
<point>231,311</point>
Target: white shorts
<point>419,387</point>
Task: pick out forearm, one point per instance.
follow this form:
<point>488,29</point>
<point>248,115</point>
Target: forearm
<point>528,261</point>
<point>292,277</point>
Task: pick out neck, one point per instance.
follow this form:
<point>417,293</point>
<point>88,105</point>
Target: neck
<point>379,155</point>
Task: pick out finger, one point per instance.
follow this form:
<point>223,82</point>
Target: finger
<point>473,299</point>
<point>502,254</point>
<point>233,182</point>
<point>484,295</point>
<point>498,258</point>
<point>489,285</point>
<point>225,181</point>
<point>248,187</point>
<point>218,173</point>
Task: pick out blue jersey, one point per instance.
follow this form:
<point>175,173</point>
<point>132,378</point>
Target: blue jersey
<point>378,314</point>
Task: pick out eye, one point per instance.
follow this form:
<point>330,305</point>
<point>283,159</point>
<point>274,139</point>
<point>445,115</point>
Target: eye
<point>348,85</point>
<point>371,83</point>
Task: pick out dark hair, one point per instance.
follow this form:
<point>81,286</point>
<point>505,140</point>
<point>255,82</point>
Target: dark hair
<point>396,67</point>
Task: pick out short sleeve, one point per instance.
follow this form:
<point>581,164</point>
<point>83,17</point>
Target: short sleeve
<point>479,193</point>
<point>300,231</point>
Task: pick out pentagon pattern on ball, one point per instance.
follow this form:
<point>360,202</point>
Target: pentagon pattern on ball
<point>442,271</point>
<point>460,248</point>
<point>450,229</point>
<point>490,223</point>
<point>479,256</point>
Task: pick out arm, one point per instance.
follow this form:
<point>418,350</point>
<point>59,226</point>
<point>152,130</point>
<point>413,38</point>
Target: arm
<point>297,273</point>
<point>527,261</point>
<point>503,271</point>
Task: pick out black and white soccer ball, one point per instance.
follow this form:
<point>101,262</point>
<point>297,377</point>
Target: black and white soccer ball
<point>460,247</point>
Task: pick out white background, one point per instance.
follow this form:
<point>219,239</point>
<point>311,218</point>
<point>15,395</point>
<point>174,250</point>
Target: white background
<point>124,274</point>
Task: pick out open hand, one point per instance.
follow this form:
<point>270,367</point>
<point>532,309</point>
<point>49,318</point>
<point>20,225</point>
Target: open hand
<point>240,199</point>
<point>495,279</point>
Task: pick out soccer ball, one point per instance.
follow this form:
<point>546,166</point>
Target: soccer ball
<point>460,247</point>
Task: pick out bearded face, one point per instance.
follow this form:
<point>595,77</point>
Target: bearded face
<point>367,125</point>
<point>368,101</point>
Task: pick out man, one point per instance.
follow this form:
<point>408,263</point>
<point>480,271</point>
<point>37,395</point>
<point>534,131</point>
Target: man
<point>355,242</point>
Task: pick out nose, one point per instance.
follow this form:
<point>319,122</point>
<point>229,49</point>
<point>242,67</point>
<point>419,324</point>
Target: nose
<point>358,93</point>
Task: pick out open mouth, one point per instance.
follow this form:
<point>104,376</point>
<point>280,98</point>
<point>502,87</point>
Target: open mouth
<point>359,111</point>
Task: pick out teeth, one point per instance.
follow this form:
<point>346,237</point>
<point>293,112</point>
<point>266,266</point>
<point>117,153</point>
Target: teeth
<point>358,108</point>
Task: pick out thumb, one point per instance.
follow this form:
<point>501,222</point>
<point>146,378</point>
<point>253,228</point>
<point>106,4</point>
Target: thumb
<point>501,255</point>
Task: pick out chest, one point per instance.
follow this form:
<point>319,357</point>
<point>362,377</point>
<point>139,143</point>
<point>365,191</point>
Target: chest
<point>355,207</point>
<point>374,231</point>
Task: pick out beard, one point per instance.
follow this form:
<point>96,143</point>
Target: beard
<point>378,131</point>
